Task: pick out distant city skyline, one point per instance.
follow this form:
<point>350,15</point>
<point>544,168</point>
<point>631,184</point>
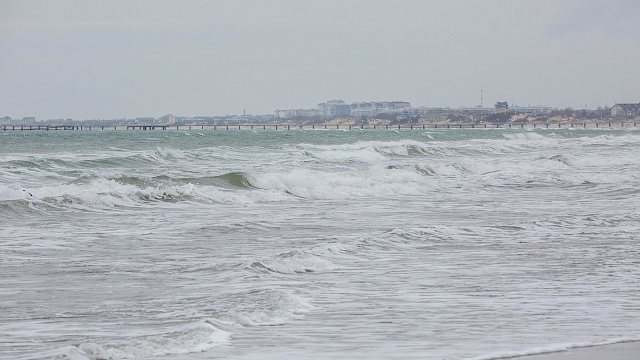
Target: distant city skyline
<point>325,109</point>
<point>88,60</point>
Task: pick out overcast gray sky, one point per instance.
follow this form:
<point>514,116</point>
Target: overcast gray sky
<point>114,59</point>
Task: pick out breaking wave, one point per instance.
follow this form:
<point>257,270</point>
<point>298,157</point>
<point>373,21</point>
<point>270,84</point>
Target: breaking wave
<point>259,307</point>
<point>198,337</point>
<point>294,262</point>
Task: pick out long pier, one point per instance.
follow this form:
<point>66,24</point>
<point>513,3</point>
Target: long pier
<point>36,127</point>
<point>584,125</point>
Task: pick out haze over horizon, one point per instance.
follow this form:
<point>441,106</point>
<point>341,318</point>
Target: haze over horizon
<point>114,59</point>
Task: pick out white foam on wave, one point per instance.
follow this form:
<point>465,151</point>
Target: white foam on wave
<point>369,151</point>
<point>99,191</point>
<point>104,193</point>
<point>460,168</point>
<point>551,349</point>
<point>262,307</point>
<point>198,337</point>
<point>293,262</point>
<point>376,181</point>
<point>239,197</point>
<point>110,193</point>
<point>524,136</point>
<point>558,169</point>
<point>368,154</point>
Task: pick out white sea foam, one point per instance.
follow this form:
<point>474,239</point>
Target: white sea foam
<point>102,193</point>
<point>376,181</point>
<point>197,337</point>
<point>524,136</point>
<point>553,348</point>
<point>294,262</point>
<point>370,151</point>
<point>263,307</point>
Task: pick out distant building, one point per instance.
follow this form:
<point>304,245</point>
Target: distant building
<point>501,107</point>
<point>144,120</point>
<point>169,119</point>
<point>293,113</point>
<point>532,109</point>
<point>264,118</point>
<point>625,110</point>
<point>334,108</point>
<point>430,114</point>
<point>377,108</point>
<point>475,110</point>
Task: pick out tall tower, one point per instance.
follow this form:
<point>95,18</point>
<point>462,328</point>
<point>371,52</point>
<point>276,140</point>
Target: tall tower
<point>481,98</point>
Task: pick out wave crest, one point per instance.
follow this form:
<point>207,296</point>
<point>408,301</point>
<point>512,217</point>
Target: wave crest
<point>293,262</point>
<point>198,337</point>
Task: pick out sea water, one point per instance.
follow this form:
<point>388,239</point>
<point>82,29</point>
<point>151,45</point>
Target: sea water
<point>363,244</point>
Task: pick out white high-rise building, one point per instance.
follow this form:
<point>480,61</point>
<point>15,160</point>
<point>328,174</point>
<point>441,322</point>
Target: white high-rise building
<point>169,119</point>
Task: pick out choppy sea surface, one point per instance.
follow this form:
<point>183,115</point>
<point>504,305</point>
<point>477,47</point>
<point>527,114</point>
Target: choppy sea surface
<point>374,244</point>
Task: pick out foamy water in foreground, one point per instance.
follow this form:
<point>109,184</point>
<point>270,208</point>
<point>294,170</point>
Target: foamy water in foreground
<point>440,244</point>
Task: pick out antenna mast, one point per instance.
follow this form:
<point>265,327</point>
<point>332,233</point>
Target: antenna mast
<point>480,97</point>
